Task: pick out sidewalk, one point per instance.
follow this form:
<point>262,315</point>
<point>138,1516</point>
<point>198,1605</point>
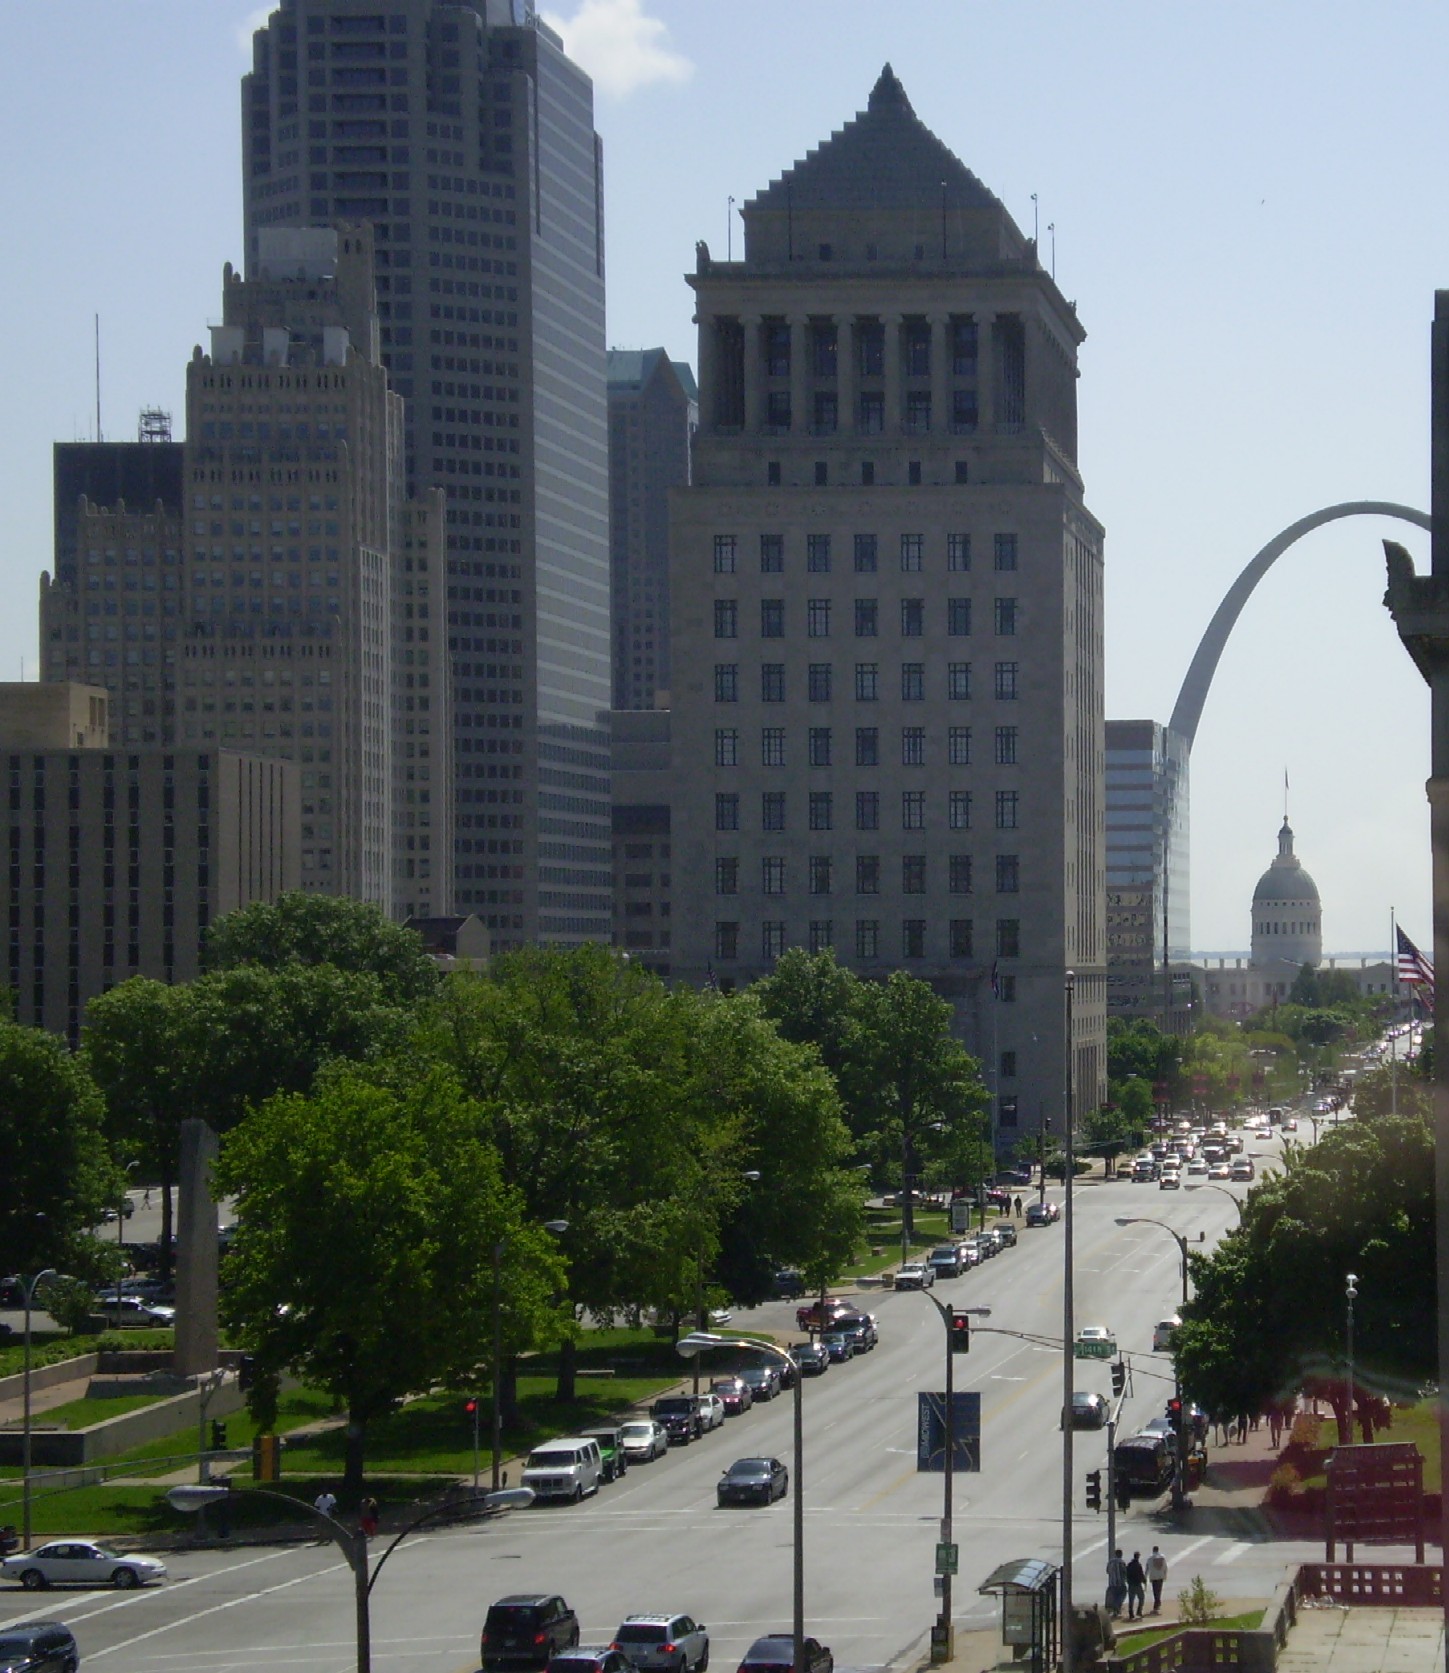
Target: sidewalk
<point>12,1412</point>
<point>1365,1640</point>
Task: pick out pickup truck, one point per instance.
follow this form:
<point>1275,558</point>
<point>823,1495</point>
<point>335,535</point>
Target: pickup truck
<point>821,1314</point>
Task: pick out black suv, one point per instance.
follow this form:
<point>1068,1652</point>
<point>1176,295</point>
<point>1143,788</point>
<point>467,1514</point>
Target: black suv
<point>38,1647</point>
<point>680,1417</point>
<point>527,1630</point>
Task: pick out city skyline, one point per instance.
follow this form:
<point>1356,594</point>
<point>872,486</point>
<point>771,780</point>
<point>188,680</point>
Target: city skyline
<point>1239,224</point>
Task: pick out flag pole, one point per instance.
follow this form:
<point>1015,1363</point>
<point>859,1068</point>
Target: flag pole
<point>1393,1035</point>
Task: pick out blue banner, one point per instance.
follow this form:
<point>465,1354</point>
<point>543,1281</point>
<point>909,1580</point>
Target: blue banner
<point>931,1432</point>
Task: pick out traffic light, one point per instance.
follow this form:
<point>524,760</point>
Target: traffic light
<point>218,1435</point>
<point>1174,1415</point>
<point>960,1334</point>
<point>1094,1489</point>
<point>1124,1493</point>
<point>470,1407</point>
<point>1119,1376</point>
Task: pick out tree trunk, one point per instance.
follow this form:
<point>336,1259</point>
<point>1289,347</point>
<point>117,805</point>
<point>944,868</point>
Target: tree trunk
<point>355,1437</point>
<point>568,1362</point>
<point>508,1391</point>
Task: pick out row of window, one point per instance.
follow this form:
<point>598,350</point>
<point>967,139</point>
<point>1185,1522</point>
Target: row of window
<point>960,941</point>
<point>821,808</point>
<point>914,412</point>
<point>820,741</point>
<point>867,618</point>
<point>819,553</point>
<point>1005,682</point>
<point>820,870</point>
<point>913,339</point>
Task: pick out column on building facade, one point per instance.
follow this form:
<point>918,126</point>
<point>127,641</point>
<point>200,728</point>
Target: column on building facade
<point>845,373</point>
<point>751,324</point>
<point>940,369</point>
<point>800,414</point>
<point>985,373</point>
<point>708,360</point>
<point>891,326</point>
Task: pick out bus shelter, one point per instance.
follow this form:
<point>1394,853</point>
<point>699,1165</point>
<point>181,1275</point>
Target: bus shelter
<point>1027,1587</point>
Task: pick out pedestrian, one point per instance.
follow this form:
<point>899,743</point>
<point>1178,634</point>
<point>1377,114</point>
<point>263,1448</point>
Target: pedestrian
<point>1156,1572</point>
<point>1242,1428</point>
<point>367,1516</point>
<point>325,1504</point>
<point>1136,1587</point>
<point>1116,1584</point>
<point>1017,1206</point>
<point>146,1198</point>
<point>1275,1425</point>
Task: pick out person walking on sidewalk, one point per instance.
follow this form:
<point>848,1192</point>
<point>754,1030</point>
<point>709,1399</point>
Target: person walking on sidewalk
<point>1156,1572</point>
<point>1136,1587</point>
<point>1116,1584</point>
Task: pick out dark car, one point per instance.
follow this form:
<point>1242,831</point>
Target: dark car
<point>611,1449</point>
<point>776,1654</point>
<point>1089,1411</point>
<point>812,1359</point>
<point>680,1417</point>
<point>592,1658</point>
<point>838,1345</point>
<point>763,1381</point>
<point>753,1481</point>
<point>734,1392</point>
<point>788,1283</point>
<point>860,1331</point>
<point>1038,1214</point>
<point>528,1629</point>
<point>38,1647</point>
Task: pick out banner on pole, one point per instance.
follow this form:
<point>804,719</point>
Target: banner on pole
<point>931,1432</point>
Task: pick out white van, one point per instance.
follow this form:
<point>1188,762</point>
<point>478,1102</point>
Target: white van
<point>567,1468</point>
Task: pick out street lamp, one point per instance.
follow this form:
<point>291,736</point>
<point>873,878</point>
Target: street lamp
<point>1233,1198</point>
<point>29,1292</point>
<point>1068,1312</point>
<point>1350,1292</point>
<point>121,1236</point>
<point>696,1343</point>
<point>351,1542</point>
<point>557,1227</point>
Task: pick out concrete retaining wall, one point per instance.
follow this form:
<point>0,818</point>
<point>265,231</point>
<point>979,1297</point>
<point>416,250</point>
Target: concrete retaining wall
<point>50,1376</point>
<point>66,1449</point>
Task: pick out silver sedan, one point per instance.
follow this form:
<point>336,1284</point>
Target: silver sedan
<point>76,1562</point>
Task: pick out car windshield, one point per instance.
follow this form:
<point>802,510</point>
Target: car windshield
<point>683,1404</point>
<point>631,1431</point>
<point>641,1632</point>
<point>551,1456</point>
<point>749,1466</point>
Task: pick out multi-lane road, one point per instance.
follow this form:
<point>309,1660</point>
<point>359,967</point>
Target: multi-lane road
<point>656,1541</point>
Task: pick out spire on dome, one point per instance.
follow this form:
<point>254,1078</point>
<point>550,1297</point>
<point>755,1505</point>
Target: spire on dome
<point>1285,840</point>
<point>888,92</point>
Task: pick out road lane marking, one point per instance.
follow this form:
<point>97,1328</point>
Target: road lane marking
<point>1232,1553</point>
<point>1187,1550</point>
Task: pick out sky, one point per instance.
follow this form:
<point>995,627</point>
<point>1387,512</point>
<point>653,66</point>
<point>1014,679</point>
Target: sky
<point>1240,199</point>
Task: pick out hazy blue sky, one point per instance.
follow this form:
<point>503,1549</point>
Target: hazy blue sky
<point>1249,213</point>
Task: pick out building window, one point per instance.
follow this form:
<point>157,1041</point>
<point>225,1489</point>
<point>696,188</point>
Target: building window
<point>726,682</point>
<point>867,938</point>
<point>822,473</point>
<point>1007,1065</point>
<point>867,682</point>
<point>727,877</point>
<point>726,747</point>
<point>958,553</point>
<point>775,342</point>
<point>918,349</point>
<point>817,618</point>
<point>1007,807</point>
<point>821,935</point>
<point>918,412</point>
<point>870,348</point>
<point>727,940</point>
<point>960,874</point>
<point>1008,874</point>
<point>865,554</point>
<point>772,473</point>
<point>962,938</point>
<point>867,874</point>
<point>817,554</point>
<point>822,810</point>
<point>913,938</point>
<point>959,808</point>
<point>965,413</point>
<point>772,937</point>
<point>726,811</point>
<point>913,618</point>
<point>1005,549</point>
<point>867,616</point>
<point>867,810</point>
<point>724,554</point>
<point>772,810</point>
<point>958,617</point>
<point>958,743</point>
<point>1008,938</point>
<point>772,682</point>
<point>958,681</point>
<point>777,412</point>
<point>772,875</point>
<point>772,746</point>
<point>913,746</point>
<point>867,473</point>
<point>913,874</point>
<point>819,682</point>
<point>1005,751</point>
<point>867,746</point>
<point>911,549</point>
<point>1005,682</point>
<point>819,743</point>
<point>826,416</point>
<point>962,471</point>
<point>772,618</point>
<point>726,618</point>
<point>1006,1104</point>
<point>913,810</point>
<point>823,343</point>
<point>913,682</point>
<point>913,473</point>
<point>1006,986</point>
<point>772,554</point>
<point>1006,617</point>
<point>820,874</point>
<point>963,348</point>
<point>872,413</point>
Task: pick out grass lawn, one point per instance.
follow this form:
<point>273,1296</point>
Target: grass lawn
<point>81,1414</point>
<point>1419,1424</point>
<point>1129,1642</point>
<point>50,1347</point>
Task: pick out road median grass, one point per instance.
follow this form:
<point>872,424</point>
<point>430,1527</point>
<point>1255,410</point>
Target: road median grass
<point>1130,1640</point>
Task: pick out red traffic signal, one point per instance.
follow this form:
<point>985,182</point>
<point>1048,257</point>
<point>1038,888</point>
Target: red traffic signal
<point>960,1334</point>
<point>1174,1413</point>
<point>470,1406</point>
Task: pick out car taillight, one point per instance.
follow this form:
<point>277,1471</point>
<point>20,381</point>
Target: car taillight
<point>540,1638</point>
<point>669,1649</point>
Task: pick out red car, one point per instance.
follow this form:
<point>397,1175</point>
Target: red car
<point>822,1314</point>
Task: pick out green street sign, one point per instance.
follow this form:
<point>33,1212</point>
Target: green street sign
<point>946,1558</point>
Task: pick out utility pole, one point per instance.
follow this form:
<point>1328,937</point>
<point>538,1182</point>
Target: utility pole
<point>1068,1334</point>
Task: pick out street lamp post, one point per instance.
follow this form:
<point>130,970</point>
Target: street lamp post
<point>1350,1292</point>
<point>696,1343</point>
<point>1068,1325</point>
<point>29,1292</point>
<point>557,1227</point>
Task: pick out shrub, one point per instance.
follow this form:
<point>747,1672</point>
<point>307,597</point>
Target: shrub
<point>1197,1605</point>
<point>1304,1433</point>
<point>1284,1485</point>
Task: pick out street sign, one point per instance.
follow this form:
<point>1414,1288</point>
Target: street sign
<point>946,1558</point>
<point>931,1431</point>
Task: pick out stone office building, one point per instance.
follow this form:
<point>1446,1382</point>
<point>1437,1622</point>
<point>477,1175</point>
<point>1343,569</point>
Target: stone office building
<point>887,607</point>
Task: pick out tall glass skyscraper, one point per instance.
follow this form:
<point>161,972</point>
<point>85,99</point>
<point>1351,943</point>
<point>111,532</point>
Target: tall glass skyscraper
<point>461,131</point>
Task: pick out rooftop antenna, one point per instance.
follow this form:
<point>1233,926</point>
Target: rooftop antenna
<point>1035,221</point>
<point>1285,795</point>
<point>1052,229</point>
<point>99,437</point>
<point>943,220</point>
<point>730,231</point>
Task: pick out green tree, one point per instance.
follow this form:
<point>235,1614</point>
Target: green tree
<point>1109,1130</point>
<point>369,1211</point>
<point>56,1172</point>
<point>350,935</point>
<point>1138,1047</point>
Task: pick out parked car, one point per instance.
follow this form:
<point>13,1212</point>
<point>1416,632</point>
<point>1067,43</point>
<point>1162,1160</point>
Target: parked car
<point>644,1439</point>
<point>711,1412</point>
<point>862,1330</point>
<point>812,1359</point>
<point>838,1345</point>
<point>915,1275</point>
<point>680,1416</point>
<point>752,1481</point>
<point>788,1283</point>
<point>763,1381</point>
<point>1089,1411</point>
<point>776,1654</point>
<point>1006,1234</point>
<point>527,1629</point>
<point>970,1253</point>
<point>123,1310</point>
<point>570,1467</point>
<point>611,1449</point>
<point>734,1392</point>
<point>80,1562</point>
<point>591,1658</point>
<point>670,1643</point>
<point>946,1261</point>
<point>821,1314</point>
<point>38,1647</point>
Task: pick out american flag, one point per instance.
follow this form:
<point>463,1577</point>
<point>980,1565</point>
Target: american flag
<point>1415,968</point>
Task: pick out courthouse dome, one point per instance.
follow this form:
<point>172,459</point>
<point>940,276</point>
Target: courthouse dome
<point>1287,913</point>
